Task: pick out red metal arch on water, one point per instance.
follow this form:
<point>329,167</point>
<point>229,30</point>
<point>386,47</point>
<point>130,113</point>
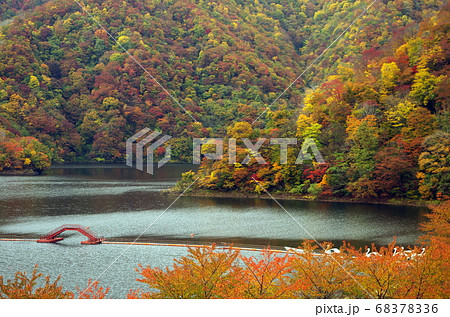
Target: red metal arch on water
<point>51,237</point>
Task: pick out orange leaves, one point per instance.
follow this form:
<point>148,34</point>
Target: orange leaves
<point>439,224</point>
<point>22,152</point>
<point>204,273</point>
<point>437,256</point>
<point>207,273</point>
<point>24,287</point>
<point>267,277</point>
<point>321,276</point>
<point>210,273</point>
<point>93,291</point>
<point>12,147</point>
<point>380,272</point>
<point>393,272</point>
<point>389,272</point>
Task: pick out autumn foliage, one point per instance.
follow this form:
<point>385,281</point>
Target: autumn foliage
<point>37,286</point>
<point>311,271</point>
<point>390,272</point>
<point>24,287</point>
<point>380,122</point>
<point>210,273</point>
<point>22,153</point>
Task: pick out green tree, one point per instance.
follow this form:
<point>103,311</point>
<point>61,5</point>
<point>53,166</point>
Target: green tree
<point>423,88</point>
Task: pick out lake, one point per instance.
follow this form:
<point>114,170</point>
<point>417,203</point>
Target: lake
<point>121,203</point>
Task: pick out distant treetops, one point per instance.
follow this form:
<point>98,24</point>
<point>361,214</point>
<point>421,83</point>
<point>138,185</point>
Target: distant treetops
<point>376,103</point>
<point>22,155</point>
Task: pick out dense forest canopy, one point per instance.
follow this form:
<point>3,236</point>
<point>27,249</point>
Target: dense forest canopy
<point>375,102</point>
<point>11,8</point>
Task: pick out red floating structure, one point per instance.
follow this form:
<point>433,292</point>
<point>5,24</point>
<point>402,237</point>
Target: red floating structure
<point>51,236</point>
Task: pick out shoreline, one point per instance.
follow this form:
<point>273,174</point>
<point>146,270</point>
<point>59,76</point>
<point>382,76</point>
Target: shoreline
<point>286,196</point>
<point>231,194</point>
<point>24,172</point>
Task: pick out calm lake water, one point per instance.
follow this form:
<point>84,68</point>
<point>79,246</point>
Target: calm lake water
<point>120,203</point>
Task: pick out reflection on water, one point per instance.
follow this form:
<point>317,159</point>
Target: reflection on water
<point>120,203</point>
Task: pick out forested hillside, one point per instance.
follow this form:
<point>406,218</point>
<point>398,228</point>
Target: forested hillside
<point>378,92</point>
<point>386,128</point>
<point>10,8</point>
<point>380,121</point>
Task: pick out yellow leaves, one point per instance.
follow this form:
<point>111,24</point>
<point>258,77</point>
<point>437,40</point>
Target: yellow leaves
<point>197,125</point>
<point>333,7</point>
<point>319,14</point>
<point>3,94</point>
<point>278,35</point>
<point>272,95</point>
<point>27,161</point>
<point>307,127</point>
<point>276,167</point>
<point>122,40</point>
<point>10,107</point>
<point>334,77</point>
<point>398,115</point>
<point>110,103</point>
<point>389,75</point>
<point>68,22</point>
<point>401,50</point>
<point>309,101</point>
<point>240,130</point>
<point>260,186</point>
<point>209,147</point>
<point>414,48</point>
<point>324,181</point>
<point>117,57</point>
<point>46,79</point>
<point>213,176</point>
<point>353,124</point>
<point>33,82</point>
<point>303,121</point>
<point>420,175</point>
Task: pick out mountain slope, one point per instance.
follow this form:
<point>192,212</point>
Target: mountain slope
<point>382,127</point>
<point>66,82</point>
